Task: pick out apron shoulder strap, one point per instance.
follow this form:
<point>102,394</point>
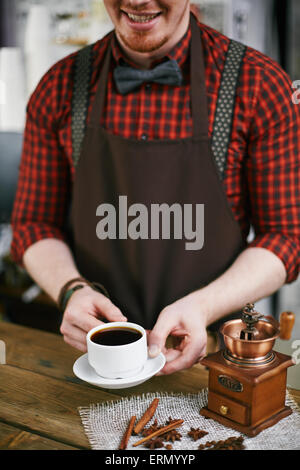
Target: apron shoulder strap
<point>223,117</point>
<point>222,128</point>
<point>80,99</point>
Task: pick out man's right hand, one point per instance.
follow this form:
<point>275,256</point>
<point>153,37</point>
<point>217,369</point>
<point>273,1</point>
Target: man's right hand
<point>86,309</point>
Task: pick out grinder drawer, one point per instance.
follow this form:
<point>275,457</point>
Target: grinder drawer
<point>230,409</point>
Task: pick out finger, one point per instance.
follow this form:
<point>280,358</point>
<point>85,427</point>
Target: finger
<point>186,359</point>
<point>76,344</point>
<point>158,336</point>
<point>170,355</point>
<point>110,311</point>
<point>79,319</point>
<point>76,334</point>
<point>203,351</point>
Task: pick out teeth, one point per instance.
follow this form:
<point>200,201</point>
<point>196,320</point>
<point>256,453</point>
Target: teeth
<point>140,18</point>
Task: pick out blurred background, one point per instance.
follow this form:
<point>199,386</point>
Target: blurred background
<point>36,34</point>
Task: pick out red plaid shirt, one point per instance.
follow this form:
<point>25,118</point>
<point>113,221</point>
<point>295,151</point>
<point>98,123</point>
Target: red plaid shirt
<point>262,174</point>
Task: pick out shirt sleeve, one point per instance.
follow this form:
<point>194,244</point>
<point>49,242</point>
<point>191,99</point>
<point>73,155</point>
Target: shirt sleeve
<point>273,170</point>
<point>43,191</point>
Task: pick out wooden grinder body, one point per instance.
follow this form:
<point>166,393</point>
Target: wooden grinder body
<point>246,399</point>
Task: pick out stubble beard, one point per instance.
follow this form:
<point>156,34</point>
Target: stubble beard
<point>138,42</point>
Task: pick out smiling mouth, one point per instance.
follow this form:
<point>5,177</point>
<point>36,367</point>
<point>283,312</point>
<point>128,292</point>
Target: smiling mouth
<point>141,17</point>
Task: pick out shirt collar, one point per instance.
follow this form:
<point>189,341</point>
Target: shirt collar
<point>178,53</point>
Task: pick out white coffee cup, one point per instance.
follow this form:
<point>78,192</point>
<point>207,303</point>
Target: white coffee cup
<point>117,362</point>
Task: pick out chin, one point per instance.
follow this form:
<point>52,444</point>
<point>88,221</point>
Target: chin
<point>140,43</point>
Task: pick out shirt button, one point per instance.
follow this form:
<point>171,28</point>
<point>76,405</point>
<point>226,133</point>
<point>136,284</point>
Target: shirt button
<point>148,86</point>
<point>144,137</point>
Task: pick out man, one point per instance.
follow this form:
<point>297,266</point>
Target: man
<point>150,146</point>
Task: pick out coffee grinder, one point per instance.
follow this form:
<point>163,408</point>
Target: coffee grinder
<point>247,379</point>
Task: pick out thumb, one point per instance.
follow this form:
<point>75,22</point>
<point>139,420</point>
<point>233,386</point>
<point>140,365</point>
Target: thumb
<point>110,311</point>
<point>158,336</point>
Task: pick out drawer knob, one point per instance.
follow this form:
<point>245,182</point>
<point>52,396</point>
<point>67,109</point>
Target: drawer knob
<point>223,410</point>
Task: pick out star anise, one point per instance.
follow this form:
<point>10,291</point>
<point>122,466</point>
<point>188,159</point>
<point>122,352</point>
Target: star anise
<point>197,433</point>
<point>170,421</point>
<point>155,443</point>
<point>172,436</point>
<point>154,427</point>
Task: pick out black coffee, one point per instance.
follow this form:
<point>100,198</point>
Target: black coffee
<point>116,336</point>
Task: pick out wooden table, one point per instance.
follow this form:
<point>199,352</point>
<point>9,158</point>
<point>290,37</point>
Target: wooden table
<point>40,396</point>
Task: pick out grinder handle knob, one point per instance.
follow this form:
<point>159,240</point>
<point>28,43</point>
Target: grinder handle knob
<point>287,321</point>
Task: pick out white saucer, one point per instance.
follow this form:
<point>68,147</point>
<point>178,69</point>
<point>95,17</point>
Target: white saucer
<point>84,371</point>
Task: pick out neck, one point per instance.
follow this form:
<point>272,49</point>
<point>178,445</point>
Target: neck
<point>144,60</point>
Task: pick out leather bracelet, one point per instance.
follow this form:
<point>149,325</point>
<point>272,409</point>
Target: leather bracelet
<point>65,292</point>
<point>65,287</point>
<point>68,295</point>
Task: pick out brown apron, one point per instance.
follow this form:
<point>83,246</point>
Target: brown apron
<point>143,276</point>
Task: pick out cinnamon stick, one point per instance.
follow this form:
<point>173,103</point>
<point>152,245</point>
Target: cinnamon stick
<point>146,416</point>
<point>163,430</point>
<point>128,432</point>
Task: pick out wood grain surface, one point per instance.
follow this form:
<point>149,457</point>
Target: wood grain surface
<point>40,396</point>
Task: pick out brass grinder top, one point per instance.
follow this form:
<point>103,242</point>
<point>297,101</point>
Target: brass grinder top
<point>249,341</point>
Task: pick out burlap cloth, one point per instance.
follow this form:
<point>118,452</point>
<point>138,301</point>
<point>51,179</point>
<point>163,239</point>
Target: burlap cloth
<point>105,423</point>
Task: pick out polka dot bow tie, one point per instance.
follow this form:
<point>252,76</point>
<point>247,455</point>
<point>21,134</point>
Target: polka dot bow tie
<point>128,78</point>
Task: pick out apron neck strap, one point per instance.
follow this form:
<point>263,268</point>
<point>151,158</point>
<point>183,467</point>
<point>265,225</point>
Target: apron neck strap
<point>99,101</point>
<point>198,89</point>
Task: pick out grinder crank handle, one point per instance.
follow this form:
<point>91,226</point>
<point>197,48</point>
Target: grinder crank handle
<point>286,324</point>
